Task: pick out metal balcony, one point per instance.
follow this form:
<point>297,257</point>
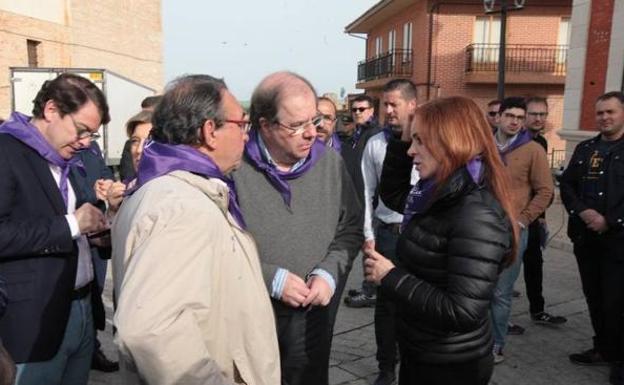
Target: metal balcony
<point>395,63</point>
<point>528,58</point>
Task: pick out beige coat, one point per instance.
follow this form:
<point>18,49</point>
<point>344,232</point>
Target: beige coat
<point>192,307</point>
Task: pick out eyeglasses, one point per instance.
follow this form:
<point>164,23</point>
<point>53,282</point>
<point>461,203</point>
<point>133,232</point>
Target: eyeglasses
<point>512,116</point>
<point>298,128</point>
<point>359,109</point>
<point>492,113</point>
<point>538,114</point>
<point>84,132</point>
<point>244,125</point>
<point>328,118</point>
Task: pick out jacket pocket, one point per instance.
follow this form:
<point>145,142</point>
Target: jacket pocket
<point>20,286</point>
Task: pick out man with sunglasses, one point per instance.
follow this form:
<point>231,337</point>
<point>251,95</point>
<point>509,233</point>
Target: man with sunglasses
<point>532,190</point>
<point>353,144</point>
<point>44,250</point>
<point>492,111</point>
<point>301,207</point>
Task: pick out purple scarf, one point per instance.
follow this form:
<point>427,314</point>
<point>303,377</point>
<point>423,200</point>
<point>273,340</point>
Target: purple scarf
<point>18,126</point>
<point>420,196</point>
<point>279,179</point>
<point>523,138</point>
<point>335,143</point>
<point>159,159</point>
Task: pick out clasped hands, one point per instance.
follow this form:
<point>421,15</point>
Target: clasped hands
<point>299,293</point>
<point>594,220</point>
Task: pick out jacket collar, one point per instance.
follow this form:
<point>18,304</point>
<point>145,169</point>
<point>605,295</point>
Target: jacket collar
<point>457,185</point>
<point>213,188</point>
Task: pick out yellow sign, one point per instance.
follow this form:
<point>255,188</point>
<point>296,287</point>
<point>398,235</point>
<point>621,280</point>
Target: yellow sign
<point>96,76</point>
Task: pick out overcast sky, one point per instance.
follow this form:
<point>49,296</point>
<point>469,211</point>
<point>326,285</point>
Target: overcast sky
<point>243,41</point>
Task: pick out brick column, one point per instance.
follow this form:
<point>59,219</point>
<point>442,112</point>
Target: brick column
<point>597,59</point>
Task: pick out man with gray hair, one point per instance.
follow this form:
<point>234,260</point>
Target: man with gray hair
<point>192,308</point>
<point>301,207</point>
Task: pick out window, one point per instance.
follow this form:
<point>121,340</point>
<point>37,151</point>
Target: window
<point>391,44</point>
<point>391,40</point>
<point>32,47</point>
<point>378,46</point>
<point>407,41</point>
<point>486,39</point>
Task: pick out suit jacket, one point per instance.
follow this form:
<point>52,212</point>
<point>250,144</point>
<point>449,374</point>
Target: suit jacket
<point>38,257</point>
<point>94,168</point>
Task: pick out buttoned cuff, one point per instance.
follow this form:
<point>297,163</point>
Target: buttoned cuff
<point>326,276</point>
<point>277,285</point>
<point>73,226</point>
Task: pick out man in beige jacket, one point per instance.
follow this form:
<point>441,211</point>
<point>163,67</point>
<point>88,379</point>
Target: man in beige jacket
<point>192,307</point>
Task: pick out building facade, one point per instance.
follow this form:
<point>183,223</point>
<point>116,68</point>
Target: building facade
<point>596,65</point>
<point>124,36</point>
<point>451,47</point>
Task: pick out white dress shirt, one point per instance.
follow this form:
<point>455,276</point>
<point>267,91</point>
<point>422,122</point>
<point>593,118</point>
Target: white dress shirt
<point>84,273</point>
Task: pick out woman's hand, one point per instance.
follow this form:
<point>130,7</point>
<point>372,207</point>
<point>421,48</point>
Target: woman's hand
<point>376,266</point>
<point>114,196</point>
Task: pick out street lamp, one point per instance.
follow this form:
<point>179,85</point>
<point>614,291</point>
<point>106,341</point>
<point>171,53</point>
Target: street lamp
<point>490,6</point>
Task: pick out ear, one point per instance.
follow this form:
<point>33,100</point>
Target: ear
<point>264,124</point>
<point>208,134</point>
<point>412,106</point>
<point>49,110</point>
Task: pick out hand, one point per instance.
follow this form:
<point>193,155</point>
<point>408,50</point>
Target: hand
<point>90,219</point>
<point>295,291</point>
<point>376,266</point>
<point>588,215</point>
<point>114,195</point>
<point>598,224</point>
<point>368,244</point>
<point>320,292</point>
<point>100,187</point>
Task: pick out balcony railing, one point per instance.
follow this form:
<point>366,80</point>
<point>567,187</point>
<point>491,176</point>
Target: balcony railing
<point>395,63</point>
<point>549,59</point>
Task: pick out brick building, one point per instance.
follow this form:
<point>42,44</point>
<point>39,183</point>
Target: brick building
<point>450,47</point>
<point>596,65</point>
<point>124,36</point>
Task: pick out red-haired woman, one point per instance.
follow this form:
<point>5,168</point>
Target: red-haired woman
<point>457,236</point>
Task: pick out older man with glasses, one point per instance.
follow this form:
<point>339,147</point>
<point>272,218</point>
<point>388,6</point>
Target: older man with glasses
<point>300,206</point>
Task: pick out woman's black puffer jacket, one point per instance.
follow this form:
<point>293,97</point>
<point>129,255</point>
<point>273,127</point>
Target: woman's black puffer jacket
<point>448,261</point>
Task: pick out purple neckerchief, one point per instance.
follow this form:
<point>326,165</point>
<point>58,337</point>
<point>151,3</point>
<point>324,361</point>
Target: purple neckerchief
<point>159,159</point>
<point>356,136</point>
<point>279,179</point>
<point>334,142</point>
<point>387,131</point>
<point>18,126</point>
<point>420,195</point>
<point>523,138</point>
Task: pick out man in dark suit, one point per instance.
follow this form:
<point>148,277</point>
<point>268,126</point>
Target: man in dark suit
<point>44,251</point>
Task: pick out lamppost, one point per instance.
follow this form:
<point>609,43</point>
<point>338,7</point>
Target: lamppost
<point>490,6</point>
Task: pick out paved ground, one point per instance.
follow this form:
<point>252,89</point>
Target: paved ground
<point>537,357</point>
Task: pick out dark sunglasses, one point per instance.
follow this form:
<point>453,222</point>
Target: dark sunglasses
<point>492,113</point>
<point>359,109</point>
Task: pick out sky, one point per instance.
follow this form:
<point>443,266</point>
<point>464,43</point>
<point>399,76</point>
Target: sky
<point>242,41</point>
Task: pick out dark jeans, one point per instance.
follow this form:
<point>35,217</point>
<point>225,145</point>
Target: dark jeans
<point>304,337</point>
<point>533,263</point>
<point>476,372</point>
<point>602,277</point>
<point>385,307</point>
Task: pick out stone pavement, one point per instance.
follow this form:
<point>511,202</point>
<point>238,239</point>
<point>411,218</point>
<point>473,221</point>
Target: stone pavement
<point>540,356</point>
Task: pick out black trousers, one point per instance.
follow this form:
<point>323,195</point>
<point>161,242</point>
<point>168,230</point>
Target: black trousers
<point>385,307</point>
<point>476,372</point>
<point>533,269</point>
<point>304,337</point>
<point>602,277</point>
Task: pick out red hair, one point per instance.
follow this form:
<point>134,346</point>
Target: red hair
<point>454,130</point>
